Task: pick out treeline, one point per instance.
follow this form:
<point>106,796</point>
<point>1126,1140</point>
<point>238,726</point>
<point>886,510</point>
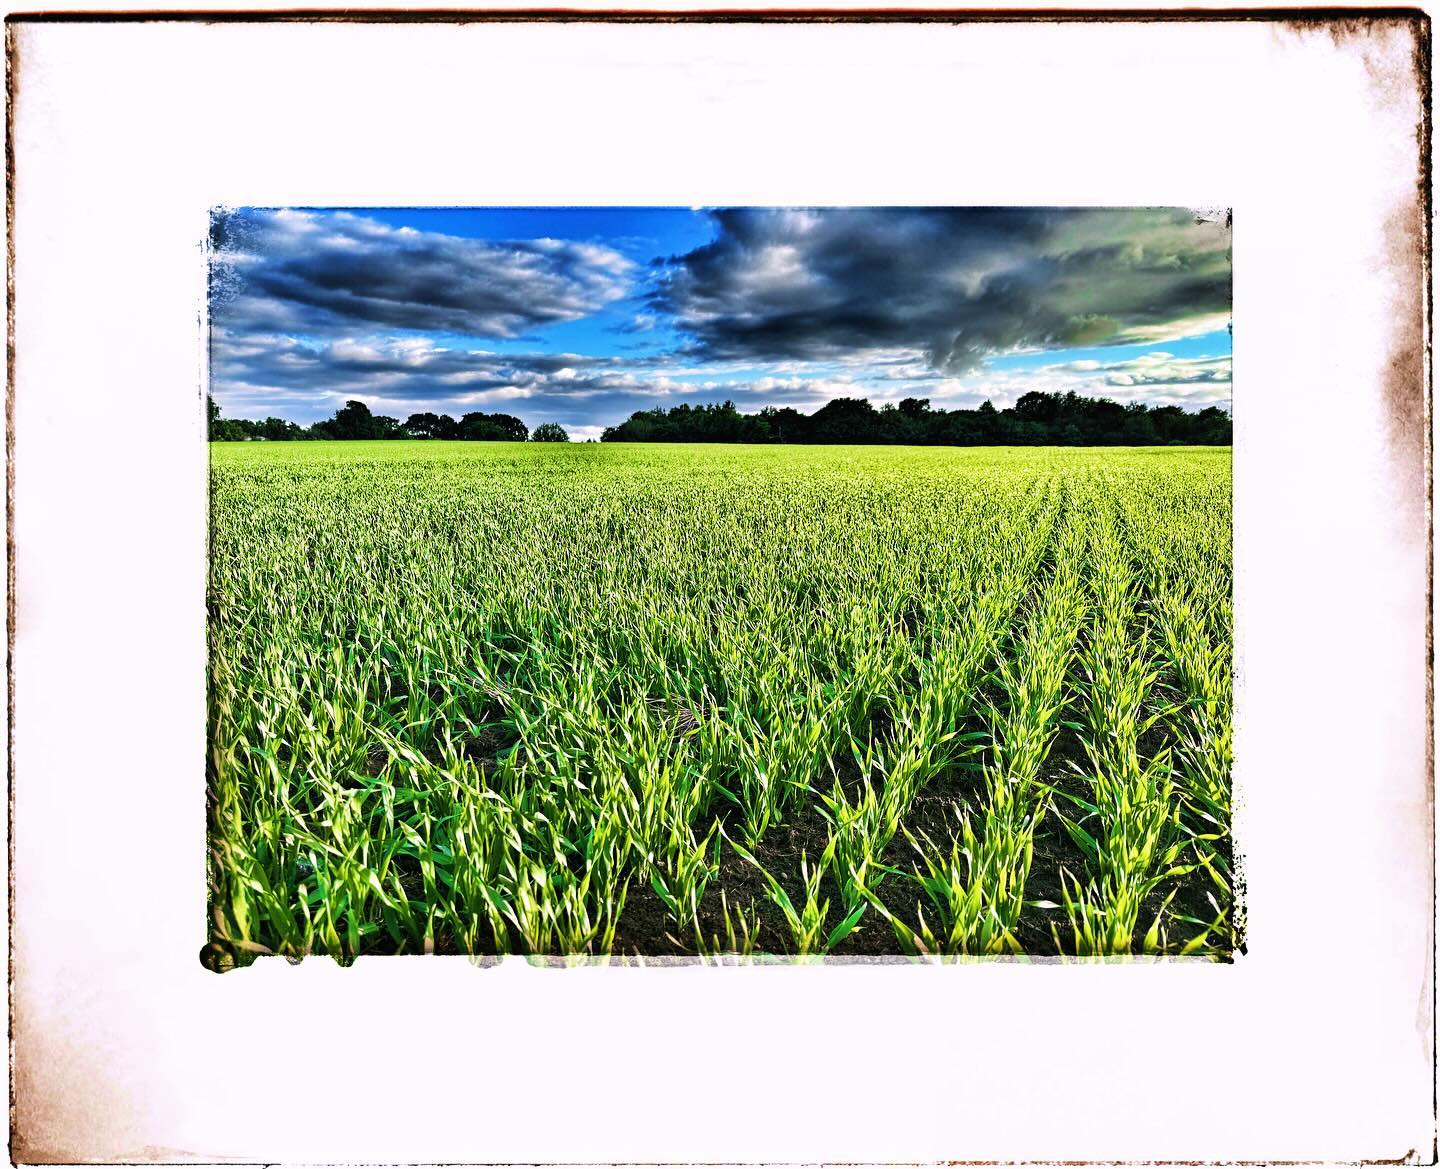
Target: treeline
<point>1037,419</point>
<point>354,420</point>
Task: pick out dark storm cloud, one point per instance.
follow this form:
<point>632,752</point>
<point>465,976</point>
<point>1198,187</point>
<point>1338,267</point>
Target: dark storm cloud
<point>956,285</point>
<point>309,271</point>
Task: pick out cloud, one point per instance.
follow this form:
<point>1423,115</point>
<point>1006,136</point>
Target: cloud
<point>260,375</point>
<point>287,271</point>
<point>310,308</point>
<point>405,367</point>
<point>1157,379</point>
<point>1161,369</point>
<point>639,323</point>
<point>250,372</point>
<point>956,286</point>
<point>257,375</point>
<point>582,433</point>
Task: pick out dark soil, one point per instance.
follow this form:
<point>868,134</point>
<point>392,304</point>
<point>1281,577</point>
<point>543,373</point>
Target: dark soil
<point>646,926</point>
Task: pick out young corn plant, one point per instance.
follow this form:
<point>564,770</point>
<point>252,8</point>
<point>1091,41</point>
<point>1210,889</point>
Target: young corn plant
<point>1129,833</point>
<point>680,883</point>
<point>807,922</point>
<point>979,909</point>
<point>742,929</point>
<point>925,739</point>
<point>974,909</point>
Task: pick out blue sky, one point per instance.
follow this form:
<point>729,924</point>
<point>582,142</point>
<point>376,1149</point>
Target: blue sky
<point>583,315</point>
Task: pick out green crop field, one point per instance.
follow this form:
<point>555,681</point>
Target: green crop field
<point>619,699</point>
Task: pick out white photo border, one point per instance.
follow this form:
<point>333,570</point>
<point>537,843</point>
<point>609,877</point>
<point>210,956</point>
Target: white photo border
<point>1316,1044</point>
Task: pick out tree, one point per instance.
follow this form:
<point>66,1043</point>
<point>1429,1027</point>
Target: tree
<point>431,426</point>
<point>1170,423</point>
<point>278,430</point>
<point>686,423</point>
<point>1038,407</point>
<point>1137,427</point>
<point>987,423</point>
<point>1101,422</point>
<point>909,423</point>
<point>352,420</point>
<point>1213,427</point>
<point>513,429</point>
<point>480,427</point>
<point>784,424</point>
<point>549,432</point>
<point>426,425</point>
<point>231,430</point>
<point>845,420</point>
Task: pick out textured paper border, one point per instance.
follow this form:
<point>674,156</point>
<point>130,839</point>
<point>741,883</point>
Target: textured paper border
<point>1315,1045</point>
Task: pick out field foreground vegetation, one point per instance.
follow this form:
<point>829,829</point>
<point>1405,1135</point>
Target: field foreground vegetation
<point>484,698</point>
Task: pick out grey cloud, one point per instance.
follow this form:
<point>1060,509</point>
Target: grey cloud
<point>957,285</point>
<point>406,369</point>
<point>257,375</point>
<point>1171,373</point>
<point>324,271</point>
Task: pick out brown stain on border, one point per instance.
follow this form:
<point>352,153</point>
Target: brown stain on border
<point>12,88</point>
<point>1341,17</point>
<point>1406,386</point>
<point>1424,73</point>
<point>1394,79</point>
<point>1409,396</point>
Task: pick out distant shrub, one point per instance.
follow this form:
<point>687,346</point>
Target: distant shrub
<point>549,432</point>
